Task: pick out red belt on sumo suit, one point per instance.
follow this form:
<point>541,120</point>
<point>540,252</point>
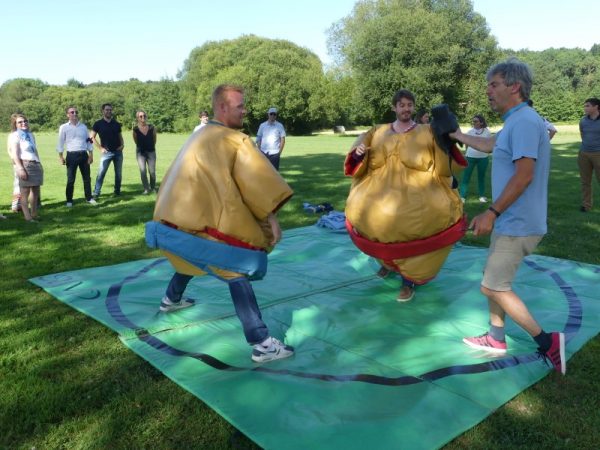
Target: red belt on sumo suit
<point>397,250</point>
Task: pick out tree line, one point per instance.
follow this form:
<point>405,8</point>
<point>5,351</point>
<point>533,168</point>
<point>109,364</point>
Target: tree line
<point>439,49</point>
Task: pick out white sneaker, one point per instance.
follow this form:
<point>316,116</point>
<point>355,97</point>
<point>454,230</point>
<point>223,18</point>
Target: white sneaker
<point>146,192</point>
<point>167,305</point>
<point>271,349</point>
<point>91,201</point>
<point>69,204</point>
<point>483,199</point>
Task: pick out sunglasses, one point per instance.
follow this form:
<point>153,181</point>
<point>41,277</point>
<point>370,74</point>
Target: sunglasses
<point>72,112</point>
<point>22,121</point>
<point>272,114</point>
<point>142,116</point>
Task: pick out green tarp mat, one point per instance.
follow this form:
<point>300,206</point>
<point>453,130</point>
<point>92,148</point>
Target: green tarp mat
<point>368,372</point>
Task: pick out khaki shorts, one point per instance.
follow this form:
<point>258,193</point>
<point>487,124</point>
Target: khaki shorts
<point>504,257</point>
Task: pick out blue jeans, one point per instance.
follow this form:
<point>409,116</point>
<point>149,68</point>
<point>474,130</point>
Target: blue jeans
<point>117,159</point>
<point>148,159</point>
<point>74,161</point>
<point>244,302</point>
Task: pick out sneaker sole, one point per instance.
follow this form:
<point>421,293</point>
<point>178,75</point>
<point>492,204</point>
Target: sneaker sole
<point>171,308</point>
<point>271,357</point>
<point>407,299</point>
<point>484,347</point>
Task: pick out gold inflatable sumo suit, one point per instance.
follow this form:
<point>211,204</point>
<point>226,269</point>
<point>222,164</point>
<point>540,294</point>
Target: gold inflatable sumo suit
<point>220,188</point>
<point>402,208</point>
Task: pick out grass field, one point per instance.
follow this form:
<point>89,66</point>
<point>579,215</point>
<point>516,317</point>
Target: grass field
<point>67,381</point>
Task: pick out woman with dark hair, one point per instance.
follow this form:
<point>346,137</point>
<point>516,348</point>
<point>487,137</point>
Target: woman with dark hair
<point>422,117</point>
<point>144,136</point>
<point>28,167</point>
<point>478,159</point>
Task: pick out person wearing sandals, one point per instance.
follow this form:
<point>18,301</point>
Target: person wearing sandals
<point>144,136</point>
<point>25,157</point>
<point>476,159</point>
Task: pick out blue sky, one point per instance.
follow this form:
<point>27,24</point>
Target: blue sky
<point>123,39</point>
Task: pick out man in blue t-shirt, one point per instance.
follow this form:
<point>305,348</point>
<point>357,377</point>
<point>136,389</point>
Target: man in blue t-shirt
<point>588,159</point>
<point>111,145</point>
<point>517,217</point>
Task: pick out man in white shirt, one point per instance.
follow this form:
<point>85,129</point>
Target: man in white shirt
<point>73,137</point>
<point>270,138</point>
<point>203,116</point>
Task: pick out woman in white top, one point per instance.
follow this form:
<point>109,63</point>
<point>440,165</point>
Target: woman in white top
<point>23,152</point>
<point>475,158</point>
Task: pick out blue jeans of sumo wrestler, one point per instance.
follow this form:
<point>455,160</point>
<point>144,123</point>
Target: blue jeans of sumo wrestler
<point>244,302</point>
<point>117,159</point>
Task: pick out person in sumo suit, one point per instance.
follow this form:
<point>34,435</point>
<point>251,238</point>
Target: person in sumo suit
<point>215,214</point>
<point>403,207</point>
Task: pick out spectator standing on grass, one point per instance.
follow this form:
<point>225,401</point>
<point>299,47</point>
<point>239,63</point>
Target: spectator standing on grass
<point>73,137</point>
<point>215,214</point>
<point>477,160</point>
<point>422,117</point>
<point>203,116</point>
<point>588,159</point>
<point>111,145</point>
<point>517,217</point>
<point>15,205</point>
<point>144,136</point>
<point>270,138</point>
<point>24,154</point>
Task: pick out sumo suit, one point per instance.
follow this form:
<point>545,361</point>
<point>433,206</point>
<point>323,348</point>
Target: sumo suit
<point>211,216</point>
<point>402,208</point>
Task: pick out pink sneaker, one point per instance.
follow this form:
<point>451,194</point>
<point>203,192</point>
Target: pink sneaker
<point>556,353</point>
<point>486,342</point>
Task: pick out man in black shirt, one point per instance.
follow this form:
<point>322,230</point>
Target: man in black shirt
<point>111,145</point>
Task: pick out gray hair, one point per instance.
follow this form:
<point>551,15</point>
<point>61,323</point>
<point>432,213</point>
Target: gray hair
<point>514,71</point>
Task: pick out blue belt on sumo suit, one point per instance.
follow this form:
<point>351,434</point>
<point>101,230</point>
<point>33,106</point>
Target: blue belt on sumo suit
<point>203,252</point>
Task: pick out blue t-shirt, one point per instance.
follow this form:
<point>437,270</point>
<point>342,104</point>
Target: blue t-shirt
<point>524,136</point>
<point>590,134</point>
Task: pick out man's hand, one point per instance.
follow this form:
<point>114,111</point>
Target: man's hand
<point>483,223</point>
<point>62,159</point>
<point>361,149</point>
<point>456,135</point>
<point>275,228</point>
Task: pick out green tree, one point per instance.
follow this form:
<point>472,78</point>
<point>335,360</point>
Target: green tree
<point>12,95</point>
<point>336,101</point>
<point>563,79</point>
<point>273,73</point>
<point>439,49</point>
